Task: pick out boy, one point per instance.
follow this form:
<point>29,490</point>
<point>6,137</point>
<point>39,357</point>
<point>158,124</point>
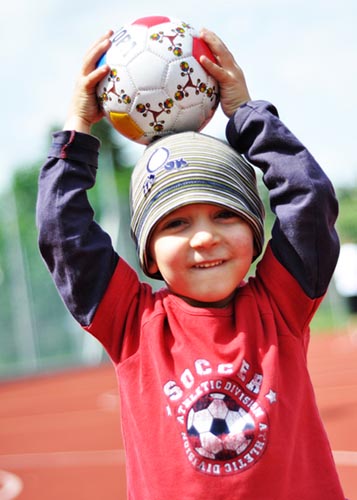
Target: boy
<point>215,396</point>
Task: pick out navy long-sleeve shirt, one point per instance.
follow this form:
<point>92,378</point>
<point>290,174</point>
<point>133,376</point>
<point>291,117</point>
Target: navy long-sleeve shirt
<point>80,255</point>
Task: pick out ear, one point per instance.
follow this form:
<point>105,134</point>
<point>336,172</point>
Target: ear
<point>151,265</point>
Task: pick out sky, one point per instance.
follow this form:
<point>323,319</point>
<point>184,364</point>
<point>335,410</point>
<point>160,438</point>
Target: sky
<point>300,55</point>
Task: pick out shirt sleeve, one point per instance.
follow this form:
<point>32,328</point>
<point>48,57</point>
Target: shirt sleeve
<point>302,198</point>
<point>78,253</point>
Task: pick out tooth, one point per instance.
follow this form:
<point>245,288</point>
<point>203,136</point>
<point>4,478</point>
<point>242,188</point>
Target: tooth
<point>212,264</point>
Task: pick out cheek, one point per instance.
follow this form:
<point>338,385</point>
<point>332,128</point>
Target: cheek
<point>244,244</point>
<point>244,238</point>
<point>163,255</point>
<point>167,252</point>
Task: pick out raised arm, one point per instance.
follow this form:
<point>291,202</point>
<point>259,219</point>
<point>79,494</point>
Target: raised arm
<point>304,239</point>
<point>301,196</point>
<point>77,252</point>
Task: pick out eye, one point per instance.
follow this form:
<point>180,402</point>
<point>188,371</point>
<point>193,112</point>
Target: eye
<point>172,224</point>
<point>227,214</point>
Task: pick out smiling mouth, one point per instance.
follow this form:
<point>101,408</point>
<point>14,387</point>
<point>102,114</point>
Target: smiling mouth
<point>207,265</point>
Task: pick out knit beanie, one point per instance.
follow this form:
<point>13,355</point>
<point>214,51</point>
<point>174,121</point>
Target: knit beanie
<point>185,168</point>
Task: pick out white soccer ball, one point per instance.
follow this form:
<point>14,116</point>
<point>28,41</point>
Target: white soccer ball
<point>156,85</point>
<point>218,428</point>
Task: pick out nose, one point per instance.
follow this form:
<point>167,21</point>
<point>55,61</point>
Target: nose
<point>204,238</point>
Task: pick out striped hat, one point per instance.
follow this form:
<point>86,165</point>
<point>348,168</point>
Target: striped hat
<point>186,168</point>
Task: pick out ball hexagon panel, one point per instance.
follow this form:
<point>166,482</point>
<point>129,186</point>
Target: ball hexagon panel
<point>148,71</point>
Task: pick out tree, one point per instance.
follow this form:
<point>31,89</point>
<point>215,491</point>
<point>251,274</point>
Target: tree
<point>36,331</point>
<point>347,221</point>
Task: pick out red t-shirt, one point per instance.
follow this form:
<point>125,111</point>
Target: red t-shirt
<point>217,403</point>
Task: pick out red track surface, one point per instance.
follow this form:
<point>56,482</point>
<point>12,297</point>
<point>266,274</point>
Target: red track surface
<point>60,435</point>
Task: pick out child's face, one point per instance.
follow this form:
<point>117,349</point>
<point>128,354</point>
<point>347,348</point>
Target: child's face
<point>203,252</point>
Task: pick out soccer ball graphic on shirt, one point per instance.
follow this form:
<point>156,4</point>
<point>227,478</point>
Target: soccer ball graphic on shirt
<point>218,428</point>
<point>156,85</point>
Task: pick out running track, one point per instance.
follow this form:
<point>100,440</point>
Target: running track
<point>60,434</point>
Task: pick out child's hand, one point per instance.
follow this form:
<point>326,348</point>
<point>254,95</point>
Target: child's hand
<point>84,110</point>
<point>233,88</point>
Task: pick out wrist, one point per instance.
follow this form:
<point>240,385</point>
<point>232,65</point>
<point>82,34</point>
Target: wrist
<point>78,124</point>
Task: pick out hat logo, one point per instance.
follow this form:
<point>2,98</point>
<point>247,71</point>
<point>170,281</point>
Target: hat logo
<point>160,159</point>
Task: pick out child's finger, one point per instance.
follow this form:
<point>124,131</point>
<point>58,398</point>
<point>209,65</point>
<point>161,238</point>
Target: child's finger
<point>101,39</point>
<point>95,52</point>
<point>218,48</point>
<point>95,76</point>
<point>218,72</point>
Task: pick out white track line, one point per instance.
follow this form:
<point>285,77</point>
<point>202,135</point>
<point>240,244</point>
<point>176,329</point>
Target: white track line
<point>10,485</point>
<point>63,459</point>
<point>346,458</point>
<point>105,458</point>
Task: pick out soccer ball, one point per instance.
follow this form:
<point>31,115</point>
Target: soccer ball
<point>156,85</point>
<point>218,428</point>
